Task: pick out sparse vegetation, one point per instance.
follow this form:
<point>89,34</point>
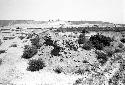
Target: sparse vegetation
<point>72,49</point>
<point>29,52</point>
<point>80,71</point>
<point>71,45</point>
<point>35,65</point>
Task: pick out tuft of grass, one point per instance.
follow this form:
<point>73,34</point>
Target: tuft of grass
<point>35,65</point>
<point>13,45</point>
<point>58,70</point>
<point>35,41</point>
<point>0,61</point>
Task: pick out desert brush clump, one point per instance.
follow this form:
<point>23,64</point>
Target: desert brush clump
<point>99,41</point>
<point>2,51</point>
<point>35,40</point>
<point>13,45</point>
<point>101,57</point>
<point>56,50</point>
<point>123,40</point>
<point>58,70</point>
<point>35,65</point>
<point>29,52</point>
<point>81,39</point>
<point>48,41</point>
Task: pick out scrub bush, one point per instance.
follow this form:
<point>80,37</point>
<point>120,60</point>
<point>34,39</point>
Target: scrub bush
<point>29,52</point>
<point>100,41</point>
<point>56,51</point>
<point>36,65</point>
<point>2,51</point>
<point>101,57</point>
<point>48,41</point>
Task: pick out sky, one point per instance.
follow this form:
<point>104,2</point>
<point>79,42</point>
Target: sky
<point>89,10</point>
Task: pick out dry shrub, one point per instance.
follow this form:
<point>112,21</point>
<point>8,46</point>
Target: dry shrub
<point>29,52</point>
<point>13,45</point>
<point>87,46</point>
<point>58,70</point>
<point>101,57</point>
<point>100,41</point>
<point>36,65</point>
<point>123,40</point>
<point>2,51</point>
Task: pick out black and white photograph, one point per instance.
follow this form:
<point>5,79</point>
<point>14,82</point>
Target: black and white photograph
<point>62,42</point>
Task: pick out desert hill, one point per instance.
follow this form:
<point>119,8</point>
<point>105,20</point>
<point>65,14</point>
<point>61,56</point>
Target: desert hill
<point>12,22</point>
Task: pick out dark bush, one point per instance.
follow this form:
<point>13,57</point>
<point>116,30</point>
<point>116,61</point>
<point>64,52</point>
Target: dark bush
<point>122,40</point>
<point>29,52</point>
<point>100,41</point>
<point>56,51</point>
<point>35,41</point>
<point>13,45</point>
<point>81,39</point>
<point>36,65</point>
<point>48,41</point>
<point>2,51</point>
<point>101,57</point>
<point>58,70</point>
